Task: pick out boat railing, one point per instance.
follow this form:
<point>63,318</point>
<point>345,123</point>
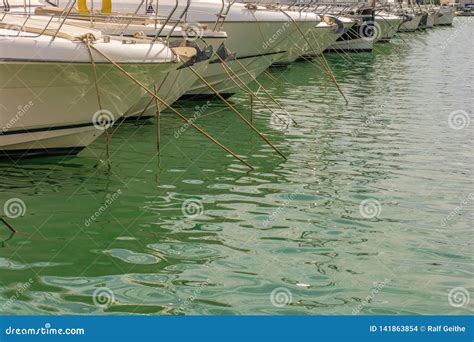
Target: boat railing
<point>57,17</point>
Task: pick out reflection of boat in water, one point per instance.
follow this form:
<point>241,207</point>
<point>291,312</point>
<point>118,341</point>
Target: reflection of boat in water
<point>50,104</point>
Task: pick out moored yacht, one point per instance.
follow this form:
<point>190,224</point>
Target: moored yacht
<point>257,37</point>
<point>326,33</point>
<point>386,25</point>
<point>444,15</point>
<point>55,100</point>
<point>360,37</point>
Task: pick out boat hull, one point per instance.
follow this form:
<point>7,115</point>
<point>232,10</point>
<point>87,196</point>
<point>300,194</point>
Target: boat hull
<point>430,20</point>
<point>444,17</point>
<point>411,25</point>
<point>256,52</point>
<point>387,27</point>
<point>173,86</point>
<point>52,108</point>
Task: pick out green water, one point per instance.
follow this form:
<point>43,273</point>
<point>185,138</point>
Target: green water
<point>370,214</point>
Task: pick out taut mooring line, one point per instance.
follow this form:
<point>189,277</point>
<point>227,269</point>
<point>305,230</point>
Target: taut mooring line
<point>87,40</point>
<point>238,113</point>
<point>200,130</point>
<point>328,71</point>
<point>8,225</point>
<point>265,90</point>
<point>247,89</point>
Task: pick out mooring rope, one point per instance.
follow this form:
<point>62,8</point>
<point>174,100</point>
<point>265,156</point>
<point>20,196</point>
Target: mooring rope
<point>252,127</point>
<point>87,39</point>
<point>328,70</point>
<point>151,93</point>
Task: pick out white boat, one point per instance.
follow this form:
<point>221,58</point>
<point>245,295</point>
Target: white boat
<point>444,15</point>
<point>307,22</point>
<point>386,26</point>
<point>257,37</point>
<point>49,99</point>
<point>361,36</point>
<point>326,33</point>
<point>430,21</point>
<point>411,23</point>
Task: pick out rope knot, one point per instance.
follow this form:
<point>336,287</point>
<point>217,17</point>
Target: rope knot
<point>88,38</point>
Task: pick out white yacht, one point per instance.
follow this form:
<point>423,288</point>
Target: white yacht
<point>361,36</point>
<point>326,33</point>
<point>444,15</point>
<point>386,25</point>
<point>257,37</point>
<point>55,100</point>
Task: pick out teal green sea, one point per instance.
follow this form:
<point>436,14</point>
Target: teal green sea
<point>372,212</point>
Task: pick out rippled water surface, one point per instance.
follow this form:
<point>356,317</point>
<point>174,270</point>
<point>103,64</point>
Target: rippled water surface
<point>370,214</point>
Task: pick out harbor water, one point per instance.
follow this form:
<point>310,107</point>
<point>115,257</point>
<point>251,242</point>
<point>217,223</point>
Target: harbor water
<point>370,214</point>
